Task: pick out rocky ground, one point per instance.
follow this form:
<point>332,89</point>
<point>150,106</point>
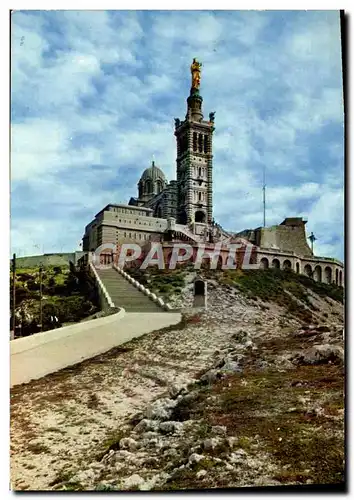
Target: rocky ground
<point>239,395</point>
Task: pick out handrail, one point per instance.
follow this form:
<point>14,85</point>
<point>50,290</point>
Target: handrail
<point>101,285</point>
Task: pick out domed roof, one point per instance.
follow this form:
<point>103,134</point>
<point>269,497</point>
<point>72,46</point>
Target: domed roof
<point>153,173</point>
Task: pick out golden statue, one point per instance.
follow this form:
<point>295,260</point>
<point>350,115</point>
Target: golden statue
<point>195,70</point>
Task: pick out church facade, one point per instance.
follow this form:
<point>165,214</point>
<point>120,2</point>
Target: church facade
<point>182,209</point>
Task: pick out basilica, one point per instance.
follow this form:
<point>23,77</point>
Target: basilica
<point>182,209</point>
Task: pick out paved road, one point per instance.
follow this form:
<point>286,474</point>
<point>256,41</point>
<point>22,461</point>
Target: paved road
<point>43,353</point>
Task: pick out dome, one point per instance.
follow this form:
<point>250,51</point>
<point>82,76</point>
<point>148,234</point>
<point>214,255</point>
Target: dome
<point>153,173</point>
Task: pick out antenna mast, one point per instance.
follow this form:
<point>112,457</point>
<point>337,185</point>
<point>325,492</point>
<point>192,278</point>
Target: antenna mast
<point>264,198</point>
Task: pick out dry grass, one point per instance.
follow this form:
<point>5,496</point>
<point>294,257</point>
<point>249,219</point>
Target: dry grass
<point>307,444</point>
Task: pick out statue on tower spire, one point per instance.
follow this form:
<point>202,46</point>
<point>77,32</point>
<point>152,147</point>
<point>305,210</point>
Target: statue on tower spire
<point>195,70</point>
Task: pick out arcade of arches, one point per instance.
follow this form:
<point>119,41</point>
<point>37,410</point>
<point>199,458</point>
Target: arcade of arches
<point>321,273</point>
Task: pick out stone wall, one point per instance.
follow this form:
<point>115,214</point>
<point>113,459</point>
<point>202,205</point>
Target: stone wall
<point>285,237</point>
<point>123,223</point>
<point>321,269</point>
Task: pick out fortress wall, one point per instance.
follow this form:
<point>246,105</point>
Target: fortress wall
<point>286,238</point>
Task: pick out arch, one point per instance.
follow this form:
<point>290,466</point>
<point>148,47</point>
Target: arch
<point>140,189</point>
<point>220,262</point>
<point>158,211</point>
<point>317,275</point>
<point>148,187</point>
<point>340,278</point>
<point>337,275</point>
<point>264,264</point>
<point>199,287</point>
<point>199,216</point>
<point>297,267</point>
<point>159,186</point>
<point>276,264</point>
<point>183,217</point>
<point>195,141</point>
<point>287,264</point>
<point>328,275</point>
<point>205,144</point>
<point>308,270</point>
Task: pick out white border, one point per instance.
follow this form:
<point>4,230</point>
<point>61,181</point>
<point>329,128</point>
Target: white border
<point>4,198</point>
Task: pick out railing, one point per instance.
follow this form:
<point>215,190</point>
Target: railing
<point>101,288</point>
<point>179,228</point>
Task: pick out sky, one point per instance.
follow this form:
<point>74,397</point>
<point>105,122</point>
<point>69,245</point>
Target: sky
<point>94,95</point>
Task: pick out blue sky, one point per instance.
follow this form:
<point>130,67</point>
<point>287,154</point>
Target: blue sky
<point>94,95</point>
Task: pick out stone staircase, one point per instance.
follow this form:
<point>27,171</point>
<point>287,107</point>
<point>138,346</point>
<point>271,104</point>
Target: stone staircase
<point>124,294</point>
<point>190,236</point>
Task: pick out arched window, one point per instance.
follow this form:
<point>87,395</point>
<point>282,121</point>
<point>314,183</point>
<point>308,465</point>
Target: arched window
<point>158,211</point>
<point>199,172</point>
<point>276,264</point>
<point>286,264</point>
<point>200,143</point>
<point>297,267</point>
<point>159,186</point>
<point>195,143</point>
<point>148,187</point>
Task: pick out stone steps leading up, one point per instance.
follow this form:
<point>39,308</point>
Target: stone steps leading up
<point>124,294</point>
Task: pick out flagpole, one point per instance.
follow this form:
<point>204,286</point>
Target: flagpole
<point>264,198</point>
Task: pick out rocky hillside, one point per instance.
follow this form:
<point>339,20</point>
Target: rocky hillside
<point>247,393</point>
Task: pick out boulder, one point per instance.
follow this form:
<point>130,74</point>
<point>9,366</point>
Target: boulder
<point>210,376</point>
<point>134,481</point>
<point>146,425</point>
<point>161,409</point>
<point>219,430</point>
<point>128,444</point>
<point>195,458</point>
<point>320,354</point>
<point>212,443</point>
<point>170,427</point>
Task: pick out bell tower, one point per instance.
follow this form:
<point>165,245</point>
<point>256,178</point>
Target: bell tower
<point>194,158</point>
